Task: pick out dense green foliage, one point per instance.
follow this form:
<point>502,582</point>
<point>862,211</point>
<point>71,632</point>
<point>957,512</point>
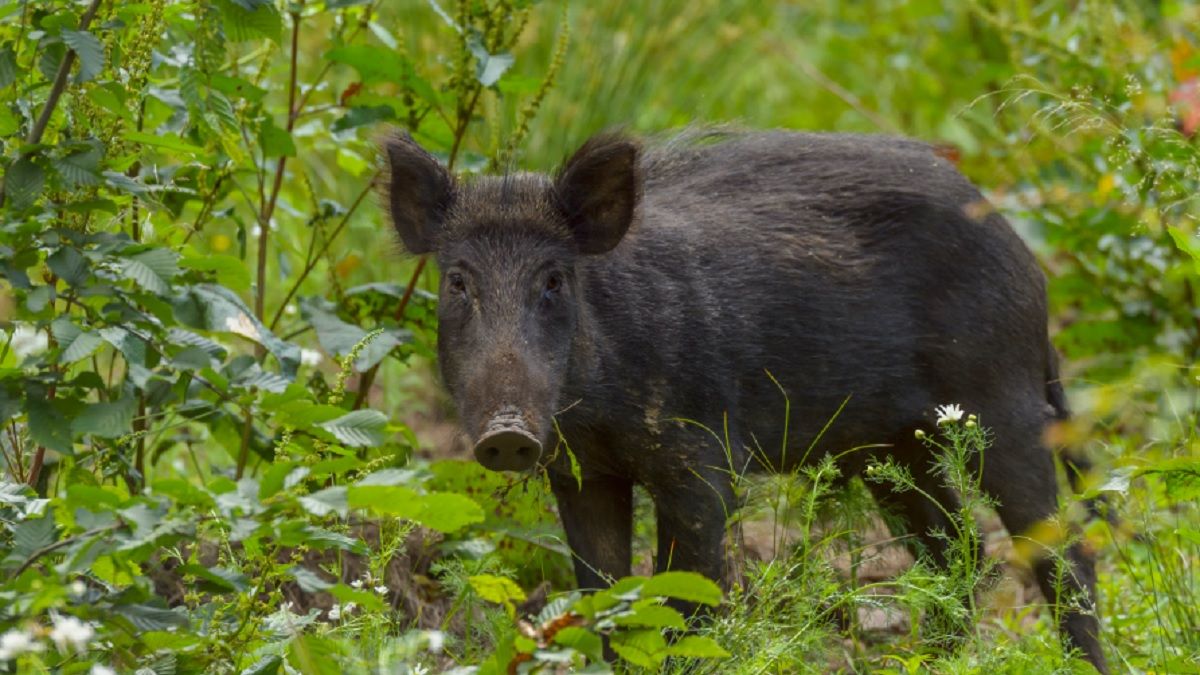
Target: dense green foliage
<point>215,379</point>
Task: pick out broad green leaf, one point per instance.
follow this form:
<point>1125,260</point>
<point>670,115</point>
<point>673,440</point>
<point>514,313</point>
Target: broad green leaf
<point>250,20</point>
<point>48,427</point>
<point>441,511</point>
<point>310,581</point>
<point>339,338</point>
<point>23,183</point>
<point>359,428</point>
<point>312,655</point>
<point>688,586</point>
<point>489,68</point>
<point>276,142</point>
<point>81,168</point>
<point>81,347</point>
<point>153,269</point>
<point>324,502</point>
<point>35,534</point>
<point>68,264</point>
<point>88,50</point>
<point>697,647</point>
<point>8,66</point>
<point>374,64</point>
<point>230,272</point>
<point>267,665</point>
<point>147,617</point>
<point>225,311</point>
<point>652,616</point>
<point>645,648</point>
<point>360,115</point>
<point>107,420</point>
<point>164,141</point>
<point>581,640</point>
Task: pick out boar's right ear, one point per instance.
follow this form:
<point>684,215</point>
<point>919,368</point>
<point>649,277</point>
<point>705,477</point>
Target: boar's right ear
<point>598,191</point>
<point>419,191</point>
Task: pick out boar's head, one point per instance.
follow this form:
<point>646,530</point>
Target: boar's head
<point>510,298</point>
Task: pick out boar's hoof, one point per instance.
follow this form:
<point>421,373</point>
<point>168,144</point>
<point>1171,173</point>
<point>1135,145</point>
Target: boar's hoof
<point>508,450</point>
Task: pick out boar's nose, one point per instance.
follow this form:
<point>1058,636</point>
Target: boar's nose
<point>508,450</point>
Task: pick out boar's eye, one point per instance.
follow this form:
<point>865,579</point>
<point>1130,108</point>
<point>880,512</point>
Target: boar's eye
<point>553,284</point>
<point>456,284</point>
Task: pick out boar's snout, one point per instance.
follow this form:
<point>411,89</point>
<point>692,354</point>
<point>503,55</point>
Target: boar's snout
<point>508,448</point>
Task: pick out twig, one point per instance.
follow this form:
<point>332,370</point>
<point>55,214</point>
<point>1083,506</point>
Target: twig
<point>368,378</point>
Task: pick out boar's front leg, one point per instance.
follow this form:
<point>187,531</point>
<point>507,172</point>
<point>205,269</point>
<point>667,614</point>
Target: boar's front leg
<point>598,519</point>
<point>692,507</point>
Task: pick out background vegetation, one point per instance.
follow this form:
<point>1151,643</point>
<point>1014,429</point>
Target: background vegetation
<point>223,449</point>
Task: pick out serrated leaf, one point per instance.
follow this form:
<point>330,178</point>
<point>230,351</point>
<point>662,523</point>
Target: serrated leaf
<point>224,311</point>
<point>153,270</point>
<point>359,428</point>
<point>645,648</point>
<point>360,115</point>
<point>47,426</point>
<point>339,338</point>
<point>88,50</point>
<point>80,168</point>
<point>23,183</point>
<point>32,535</point>
<point>80,348</point>
<point>230,271</point>
<point>147,617</point>
<point>652,616</point>
<point>324,502</point>
<point>250,20</point>
<point>107,420</point>
<point>687,586</point>
<point>187,337</point>
<point>68,264</point>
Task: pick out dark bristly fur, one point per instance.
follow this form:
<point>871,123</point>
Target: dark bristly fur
<point>636,288</point>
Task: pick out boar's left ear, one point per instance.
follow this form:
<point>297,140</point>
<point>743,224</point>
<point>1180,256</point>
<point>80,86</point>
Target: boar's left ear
<point>598,190</point>
<point>419,191</point>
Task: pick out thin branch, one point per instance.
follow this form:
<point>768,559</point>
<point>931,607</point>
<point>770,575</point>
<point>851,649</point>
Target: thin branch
<point>368,378</point>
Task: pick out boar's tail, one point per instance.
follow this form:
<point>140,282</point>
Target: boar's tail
<point>1077,464</point>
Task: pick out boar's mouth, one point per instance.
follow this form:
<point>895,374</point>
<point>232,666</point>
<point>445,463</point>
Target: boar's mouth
<point>507,443</point>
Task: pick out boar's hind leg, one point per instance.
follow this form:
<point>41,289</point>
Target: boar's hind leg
<point>598,519</point>
<point>1021,477</point>
<point>691,511</point>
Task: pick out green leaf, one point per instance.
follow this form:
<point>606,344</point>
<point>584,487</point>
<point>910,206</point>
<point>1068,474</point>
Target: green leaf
<point>267,665</point>
<point>489,68</point>
<point>107,420</point>
<point>645,648</point>
<point>23,183</point>
<point>310,581</point>
<point>80,168</point>
<point>359,429</point>
<point>276,142</point>
<point>697,647</point>
<point>164,141</point>
<point>581,640</point>
<point>89,51</point>
<point>33,535</point>
<point>148,618</point>
<point>652,616</point>
<point>312,655</point>
<point>339,338</point>
<point>500,590</point>
<point>153,270</point>
<point>8,66</point>
<point>441,511</point>
<point>374,64</point>
<point>47,426</point>
<point>224,311</point>
<point>230,272</point>
<point>250,20</point>
<point>358,116</point>
<point>323,502</point>
<point>68,264</point>
<point>81,347</point>
<point>687,586</point>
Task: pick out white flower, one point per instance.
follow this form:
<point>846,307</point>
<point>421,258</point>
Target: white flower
<point>16,642</point>
<point>437,640</point>
<point>948,413</point>
<point>101,670</point>
<point>335,612</point>
<point>78,587</point>
<point>382,590</point>
<point>357,583</point>
<point>70,632</point>
<point>27,340</point>
<point>350,607</point>
<point>310,357</point>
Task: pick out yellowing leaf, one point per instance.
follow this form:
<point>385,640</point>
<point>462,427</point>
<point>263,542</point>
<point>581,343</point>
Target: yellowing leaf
<point>500,590</point>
